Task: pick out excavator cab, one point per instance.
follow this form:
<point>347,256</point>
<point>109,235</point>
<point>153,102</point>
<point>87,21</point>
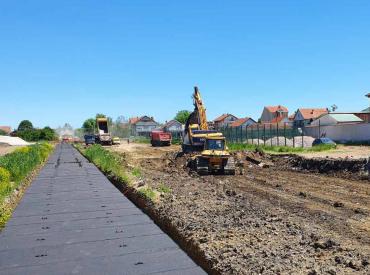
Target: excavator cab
<point>215,157</point>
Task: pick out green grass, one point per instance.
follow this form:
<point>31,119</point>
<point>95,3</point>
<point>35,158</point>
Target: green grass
<point>109,162</point>
<point>136,172</point>
<point>279,149</point>
<point>14,168</point>
<point>148,193</point>
<point>164,189</point>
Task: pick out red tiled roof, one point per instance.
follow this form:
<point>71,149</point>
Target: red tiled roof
<point>134,120</point>
<point>222,117</point>
<point>312,113</point>
<point>6,129</point>
<point>274,109</point>
<point>239,122</point>
<point>171,122</point>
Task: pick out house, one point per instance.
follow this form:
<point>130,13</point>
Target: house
<point>274,114</point>
<point>173,126</point>
<point>6,129</point>
<point>224,120</point>
<point>364,115</point>
<point>243,122</point>
<point>336,119</point>
<point>304,116</point>
<point>142,126</point>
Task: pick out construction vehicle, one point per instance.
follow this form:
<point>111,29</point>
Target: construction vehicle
<point>103,135</point>
<point>116,141</point>
<point>213,153</point>
<point>160,138</point>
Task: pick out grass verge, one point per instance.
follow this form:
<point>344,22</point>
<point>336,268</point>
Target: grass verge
<point>108,162</point>
<point>15,167</point>
<point>279,149</point>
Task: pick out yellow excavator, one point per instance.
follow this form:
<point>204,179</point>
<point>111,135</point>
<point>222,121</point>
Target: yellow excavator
<point>213,153</point>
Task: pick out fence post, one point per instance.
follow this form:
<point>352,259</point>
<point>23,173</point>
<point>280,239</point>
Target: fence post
<point>271,134</point>
<point>302,137</point>
<point>285,134</point>
<point>258,134</point>
<point>241,133</point>
<point>277,133</point>
<point>319,129</point>
<point>293,135</point>
<point>246,133</point>
<point>264,134</point>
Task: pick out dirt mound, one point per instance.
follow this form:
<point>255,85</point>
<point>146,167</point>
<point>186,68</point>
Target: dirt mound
<point>348,168</point>
<point>279,141</point>
<point>305,141</point>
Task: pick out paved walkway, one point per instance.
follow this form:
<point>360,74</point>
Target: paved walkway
<point>72,220</point>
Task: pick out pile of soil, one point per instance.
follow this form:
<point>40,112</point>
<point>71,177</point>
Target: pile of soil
<point>347,168</point>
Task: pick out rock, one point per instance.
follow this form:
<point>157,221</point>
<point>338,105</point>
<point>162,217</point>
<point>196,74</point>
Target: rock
<point>338,204</point>
<point>302,194</point>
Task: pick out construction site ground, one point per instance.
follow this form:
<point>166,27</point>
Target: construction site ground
<point>271,220</point>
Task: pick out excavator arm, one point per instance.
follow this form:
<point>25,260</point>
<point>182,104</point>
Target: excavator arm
<point>200,109</point>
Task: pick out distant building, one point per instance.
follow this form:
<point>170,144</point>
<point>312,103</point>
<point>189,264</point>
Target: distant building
<point>304,116</point>
<point>142,126</point>
<point>6,129</point>
<point>336,119</point>
<point>364,115</point>
<point>274,114</point>
<point>224,120</point>
<point>243,122</point>
<point>173,126</point>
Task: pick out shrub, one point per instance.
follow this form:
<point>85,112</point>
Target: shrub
<point>108,162</point>
<point>4,175</point>
<point>136,172</point>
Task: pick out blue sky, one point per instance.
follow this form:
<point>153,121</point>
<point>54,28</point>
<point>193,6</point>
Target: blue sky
<point>64,61</point>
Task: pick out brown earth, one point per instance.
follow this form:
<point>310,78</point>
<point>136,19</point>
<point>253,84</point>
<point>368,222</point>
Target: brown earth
<point>262,220</point>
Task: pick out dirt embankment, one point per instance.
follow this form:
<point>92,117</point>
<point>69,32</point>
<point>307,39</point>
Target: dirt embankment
<point>264,219</point>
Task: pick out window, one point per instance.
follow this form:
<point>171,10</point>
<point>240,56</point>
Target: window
<point>215,144</point>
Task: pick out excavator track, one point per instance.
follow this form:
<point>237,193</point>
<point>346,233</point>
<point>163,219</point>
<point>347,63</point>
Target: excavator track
<point>201,166</point>
<point>229,168</point>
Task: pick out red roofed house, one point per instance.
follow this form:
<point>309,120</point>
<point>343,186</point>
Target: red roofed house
<point>305,116</point>
<point>274,114</point>
<point>243,122</point>
<point>224,120</point>
<point>142,126</point>
<point>6,129</point>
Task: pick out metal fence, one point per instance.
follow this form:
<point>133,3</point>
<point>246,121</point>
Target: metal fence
<point>266,134</point>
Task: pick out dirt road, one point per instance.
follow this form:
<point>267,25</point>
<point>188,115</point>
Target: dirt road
<point>263,220</point>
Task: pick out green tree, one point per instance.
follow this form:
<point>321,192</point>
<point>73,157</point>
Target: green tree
<point>47,134</point>
<point>25,125</point>
<point>89,125</point>
<point>182,116</point>
<point>100,115</point>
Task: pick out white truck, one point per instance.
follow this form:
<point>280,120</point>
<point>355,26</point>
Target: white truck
<point>103,135</point>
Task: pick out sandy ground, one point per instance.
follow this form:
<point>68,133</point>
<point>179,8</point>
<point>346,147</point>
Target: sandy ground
<point>353,152</point>
<point>262,220</point>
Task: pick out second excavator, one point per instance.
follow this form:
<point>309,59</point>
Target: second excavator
<point>210,144</point>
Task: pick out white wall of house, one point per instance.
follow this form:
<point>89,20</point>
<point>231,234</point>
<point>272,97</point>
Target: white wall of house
<point>355,132</point>
<point>268,116</point>
<point>175,128</point>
